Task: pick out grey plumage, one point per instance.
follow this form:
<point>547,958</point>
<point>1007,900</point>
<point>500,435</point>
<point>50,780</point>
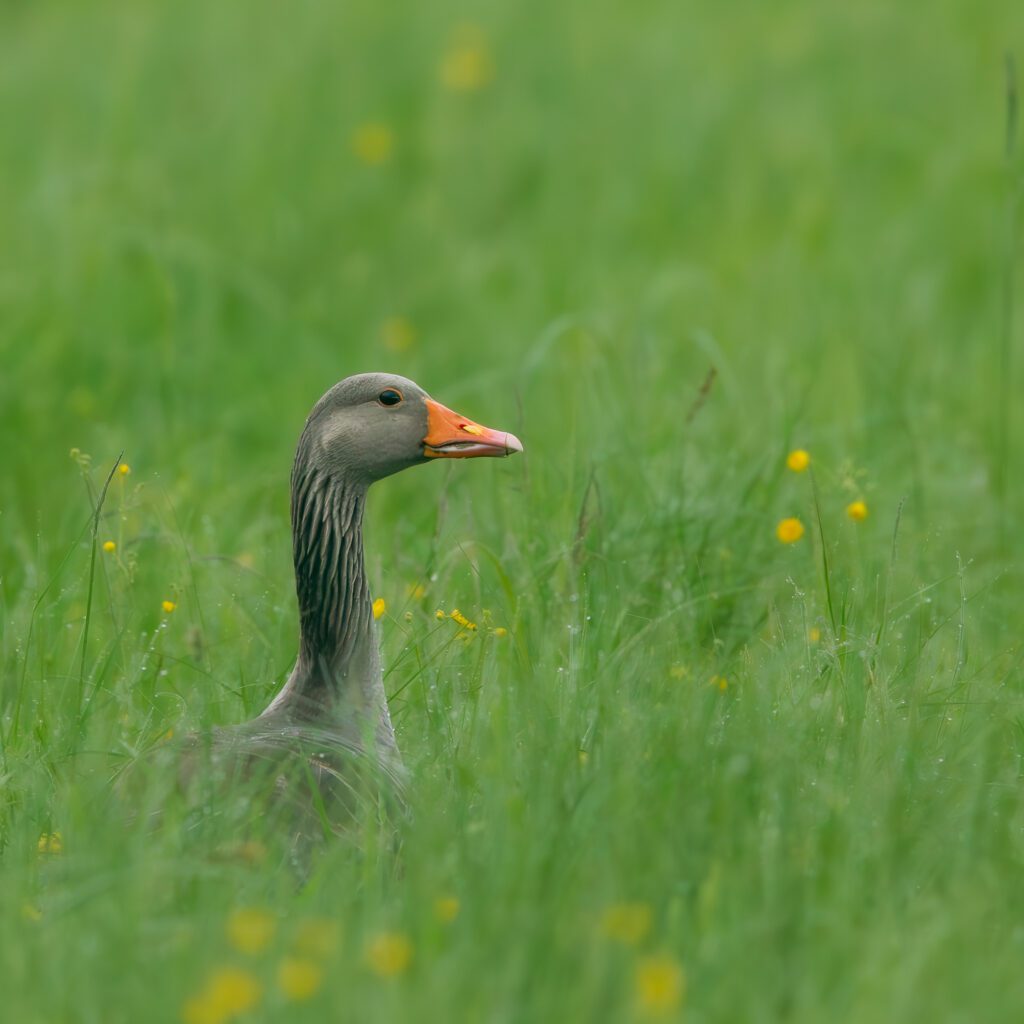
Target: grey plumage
<point>325,744</point>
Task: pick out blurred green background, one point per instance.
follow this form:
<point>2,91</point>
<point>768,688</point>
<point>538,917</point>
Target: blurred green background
<point>705,774</point>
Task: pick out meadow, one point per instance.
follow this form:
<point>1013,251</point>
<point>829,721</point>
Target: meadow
<point>681,768</point>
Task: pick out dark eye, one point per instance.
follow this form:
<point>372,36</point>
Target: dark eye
<point>389,396</point>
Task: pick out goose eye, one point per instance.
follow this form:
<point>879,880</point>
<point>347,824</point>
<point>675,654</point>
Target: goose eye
<point>389,396</point>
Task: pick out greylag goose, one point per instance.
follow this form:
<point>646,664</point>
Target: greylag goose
<point>328,729</point>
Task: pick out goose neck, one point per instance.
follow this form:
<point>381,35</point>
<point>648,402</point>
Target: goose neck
<point>337,679</point>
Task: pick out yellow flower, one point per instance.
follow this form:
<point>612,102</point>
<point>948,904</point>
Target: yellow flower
<point>814,634</point>
<point>236,990</point>
<point>416,591</point>
<point>373,143</point>
<point>857,511</point>
<point>380,606</point>
<point>389,954</point>
<point>721,682</point>
<point>168,606</point>
<point>660,984</point>
<point>789,531</point>
<point>397,334</point>
<point>499,631</point>
<point>250,931</point>
<point>627,923</point>
<point>439,614</point>
<point>50,843</point>
<point>227,993</point>
<point>299,980</point>
<point>461,619</point>
<point>446,909</point>
<point>109,546</point>
<point>317,937</point>
<point>467,65</point>
<point>798,460</point>
<point>124,469</point>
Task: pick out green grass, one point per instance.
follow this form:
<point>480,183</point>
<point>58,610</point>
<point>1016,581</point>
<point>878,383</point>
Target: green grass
<point>812,199</point>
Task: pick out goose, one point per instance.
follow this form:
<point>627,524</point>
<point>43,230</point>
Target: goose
<point>329,729</point>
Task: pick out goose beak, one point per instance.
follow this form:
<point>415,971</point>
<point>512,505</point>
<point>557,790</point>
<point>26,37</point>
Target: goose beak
<point>451,436</point>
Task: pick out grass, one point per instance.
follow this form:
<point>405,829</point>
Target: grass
<point>815,202</point>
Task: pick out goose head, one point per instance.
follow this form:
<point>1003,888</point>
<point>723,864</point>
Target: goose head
<point>374,424</point>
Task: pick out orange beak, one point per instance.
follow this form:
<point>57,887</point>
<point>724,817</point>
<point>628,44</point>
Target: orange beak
<point>451,436</point>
